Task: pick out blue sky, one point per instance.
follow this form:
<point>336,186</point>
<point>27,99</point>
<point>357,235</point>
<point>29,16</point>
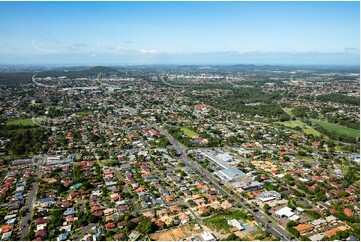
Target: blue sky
<point>180,32</point>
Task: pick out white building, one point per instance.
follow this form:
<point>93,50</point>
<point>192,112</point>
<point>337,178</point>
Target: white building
<point>207,236</point>
<point>235,223</point>
<point>225,157</point>
<point>284,212</point>
<point>230,174</point>
<point>268,196</point>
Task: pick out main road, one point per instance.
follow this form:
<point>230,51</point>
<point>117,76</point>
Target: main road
<point>259,216</point>
<point>30,202</point>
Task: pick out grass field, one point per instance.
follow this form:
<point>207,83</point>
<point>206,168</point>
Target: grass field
<point>288,111</point>
<point>219,222</point>
<point>83,112</point>
<point>305,128</point>
<point>337,128</point>
<point>24,122</point>
<point>189,132</point>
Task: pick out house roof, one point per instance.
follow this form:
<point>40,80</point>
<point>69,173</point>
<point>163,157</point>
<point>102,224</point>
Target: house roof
<point>69,211</point>
<point>140,189</point>
<point>331,232</point>
<point>41,220</point>
<point>122,223</point>
<point>119,236</point>
<point>318,211</point>
<point>110,225</point>
<point>203,209</point>
<point>303,227</point>
<point>331,218</point>
<point>348,212</point>
<point>333,211</point>
<point>6,228</point>
<point>41,233</point>
<point>135,220</point>
<point>318,221</point>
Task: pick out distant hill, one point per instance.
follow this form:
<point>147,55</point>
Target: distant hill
<point>21,78</point>
<point>98,69</point>
<point>74,73</point>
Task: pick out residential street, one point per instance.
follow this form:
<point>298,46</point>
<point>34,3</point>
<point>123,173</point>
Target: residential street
<point>30,202</point>
<point>84,231</point>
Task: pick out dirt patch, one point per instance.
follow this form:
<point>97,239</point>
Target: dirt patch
<point>177,233</point>
<point>187,231</point>
<point>251,222</point>
<point>161,236</point>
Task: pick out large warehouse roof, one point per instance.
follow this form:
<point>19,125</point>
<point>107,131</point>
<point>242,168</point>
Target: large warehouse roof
<point>230,174</point>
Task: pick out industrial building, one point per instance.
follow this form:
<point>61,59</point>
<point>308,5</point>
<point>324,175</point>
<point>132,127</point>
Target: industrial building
<point>268,196</point>
<point>230,174</point>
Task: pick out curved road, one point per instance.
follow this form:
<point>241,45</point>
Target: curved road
<point>84,231</point>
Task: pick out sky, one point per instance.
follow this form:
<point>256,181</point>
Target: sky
<point>311,33</point>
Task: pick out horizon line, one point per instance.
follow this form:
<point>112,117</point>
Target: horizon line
<point>173,64</point>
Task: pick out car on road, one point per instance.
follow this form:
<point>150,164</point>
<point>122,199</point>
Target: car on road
<point>255,210</point>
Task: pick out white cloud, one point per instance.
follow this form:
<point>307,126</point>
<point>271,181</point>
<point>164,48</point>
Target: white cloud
<point>121,49</point>
<point>36,46</point>
<point>58,46</point>
<point>149,51</point>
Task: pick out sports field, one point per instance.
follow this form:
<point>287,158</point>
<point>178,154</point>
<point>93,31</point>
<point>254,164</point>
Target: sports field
<point>24,122</point>
<point>337,128</point>
<point>189,132</point>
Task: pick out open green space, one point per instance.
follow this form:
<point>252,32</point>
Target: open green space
<point>189,132</point>
<point>288,111</point>
<point>23,122</point>
<point>305,128</point>
<point>219,222</point>
<point>337,128</point>
<point>339,148</point>
<point>293,123</point>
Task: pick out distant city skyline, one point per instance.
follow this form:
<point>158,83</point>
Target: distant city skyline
<point>294,33</point>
